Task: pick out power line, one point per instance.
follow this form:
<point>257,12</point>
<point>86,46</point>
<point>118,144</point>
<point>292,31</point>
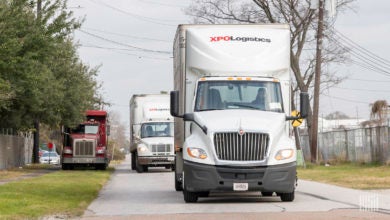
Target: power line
<point>123,49</point>
<point>367,56</point>
<point>143,18</point>
<point>368,63</point>
<point>125,35</point>
<point>163,4</point>
<point>122,44</point>
<point>367,90</point>
<point>370,67</point>
<point>347,100</point>
<point>369,80</point>
<point>358,46</point>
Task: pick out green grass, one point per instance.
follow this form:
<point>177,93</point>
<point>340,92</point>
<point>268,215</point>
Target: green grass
<point>62,192</point>
<point>357,176</point>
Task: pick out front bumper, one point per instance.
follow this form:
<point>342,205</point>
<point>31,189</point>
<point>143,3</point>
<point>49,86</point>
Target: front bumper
<point>84,160</point>
<point>56,162</point>
<point>156,160</point>
<point>278,178</point>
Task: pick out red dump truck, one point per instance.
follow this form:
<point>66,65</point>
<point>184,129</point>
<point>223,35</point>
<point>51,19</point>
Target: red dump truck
<point>86,145</point>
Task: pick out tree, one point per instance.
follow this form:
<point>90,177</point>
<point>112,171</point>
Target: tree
<point>380,111</point>
<point>42,80</point>
<point>118,131</point>
<point>303,28</point>
<point>41,76</point>
<point>336,115</point>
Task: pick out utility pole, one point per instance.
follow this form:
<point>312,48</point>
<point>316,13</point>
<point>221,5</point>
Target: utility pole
<point>317,81</point>
<point>36,121</point>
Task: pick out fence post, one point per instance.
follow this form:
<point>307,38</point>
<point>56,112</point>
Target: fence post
<point>346,146</point>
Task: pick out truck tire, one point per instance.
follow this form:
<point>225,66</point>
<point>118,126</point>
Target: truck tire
<point>190,197</point>
<point>101,167</point>
<point>139,168</point>
<point>173,167</point>
<point>65,167</point>
<point>178,183</point>
<point>133,158</point>
<point>287,197</point>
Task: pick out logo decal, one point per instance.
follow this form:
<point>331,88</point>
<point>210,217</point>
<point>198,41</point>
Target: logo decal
<point>242,39</point>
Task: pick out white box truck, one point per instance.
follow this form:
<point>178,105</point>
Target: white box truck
<point>231,103</point>
<point>151,132</point>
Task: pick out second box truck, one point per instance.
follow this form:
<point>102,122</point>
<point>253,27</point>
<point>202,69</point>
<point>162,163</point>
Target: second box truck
<point>151,132</point>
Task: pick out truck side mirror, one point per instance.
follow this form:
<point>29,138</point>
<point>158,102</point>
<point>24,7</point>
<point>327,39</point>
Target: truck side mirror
<point>174,108</point>
<point>304,107</point>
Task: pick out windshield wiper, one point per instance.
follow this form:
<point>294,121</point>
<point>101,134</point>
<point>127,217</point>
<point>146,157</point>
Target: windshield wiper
<point>210,109</point>
<point>247,106</point>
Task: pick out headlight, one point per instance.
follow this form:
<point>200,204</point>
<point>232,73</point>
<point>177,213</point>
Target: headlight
<point>284,154</point>
<point>196,153</point>
<point>67,150</point>
<point>100,151</point>
<point>142,149</point>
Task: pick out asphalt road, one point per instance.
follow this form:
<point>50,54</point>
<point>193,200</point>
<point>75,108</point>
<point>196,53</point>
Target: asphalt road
<point>151,195</point>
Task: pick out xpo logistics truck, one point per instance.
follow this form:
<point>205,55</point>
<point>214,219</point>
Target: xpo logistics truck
<point>231,103</point>
<point>151,132</point>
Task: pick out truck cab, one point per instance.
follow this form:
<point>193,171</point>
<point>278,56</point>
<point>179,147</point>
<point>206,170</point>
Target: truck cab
<point>86,144</point>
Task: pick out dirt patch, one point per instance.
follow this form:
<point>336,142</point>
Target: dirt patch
<point>13,175</point>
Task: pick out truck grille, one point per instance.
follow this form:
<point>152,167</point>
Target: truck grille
<point>84,148</point>
<point>161,149</point>
<point>245,147</point>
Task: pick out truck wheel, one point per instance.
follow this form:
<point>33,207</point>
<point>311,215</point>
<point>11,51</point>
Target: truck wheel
<point>133,158</point>
<point>190,197</point>
<point>139,168</point>
<point>65,167</point>
<point>146,168</point>
<point>101,167</point>
<point>178,183</point>
<point>287,197</point>
<point>173,167</point>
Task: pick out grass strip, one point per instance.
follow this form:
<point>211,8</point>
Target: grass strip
<point>351,175</point>
<point>67,193</point>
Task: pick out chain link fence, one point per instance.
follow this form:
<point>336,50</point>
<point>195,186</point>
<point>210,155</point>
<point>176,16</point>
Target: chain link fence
<point>354,145</point>
<point>15,150</point>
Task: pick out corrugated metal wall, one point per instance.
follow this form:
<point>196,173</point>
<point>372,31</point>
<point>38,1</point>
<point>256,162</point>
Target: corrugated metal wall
<point>15,150</point>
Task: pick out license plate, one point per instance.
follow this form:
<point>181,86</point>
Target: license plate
<point>240,186</point>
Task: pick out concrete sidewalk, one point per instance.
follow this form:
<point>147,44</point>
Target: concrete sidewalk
<point>365,200</point>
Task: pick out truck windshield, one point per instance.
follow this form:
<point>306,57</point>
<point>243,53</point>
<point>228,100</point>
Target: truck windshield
<point>157,129</point>
<point>86,129</point>
<point>220,95</point>
<point>91,129</point>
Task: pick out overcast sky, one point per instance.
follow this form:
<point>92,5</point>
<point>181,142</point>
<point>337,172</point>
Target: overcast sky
<point>114,31</point>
